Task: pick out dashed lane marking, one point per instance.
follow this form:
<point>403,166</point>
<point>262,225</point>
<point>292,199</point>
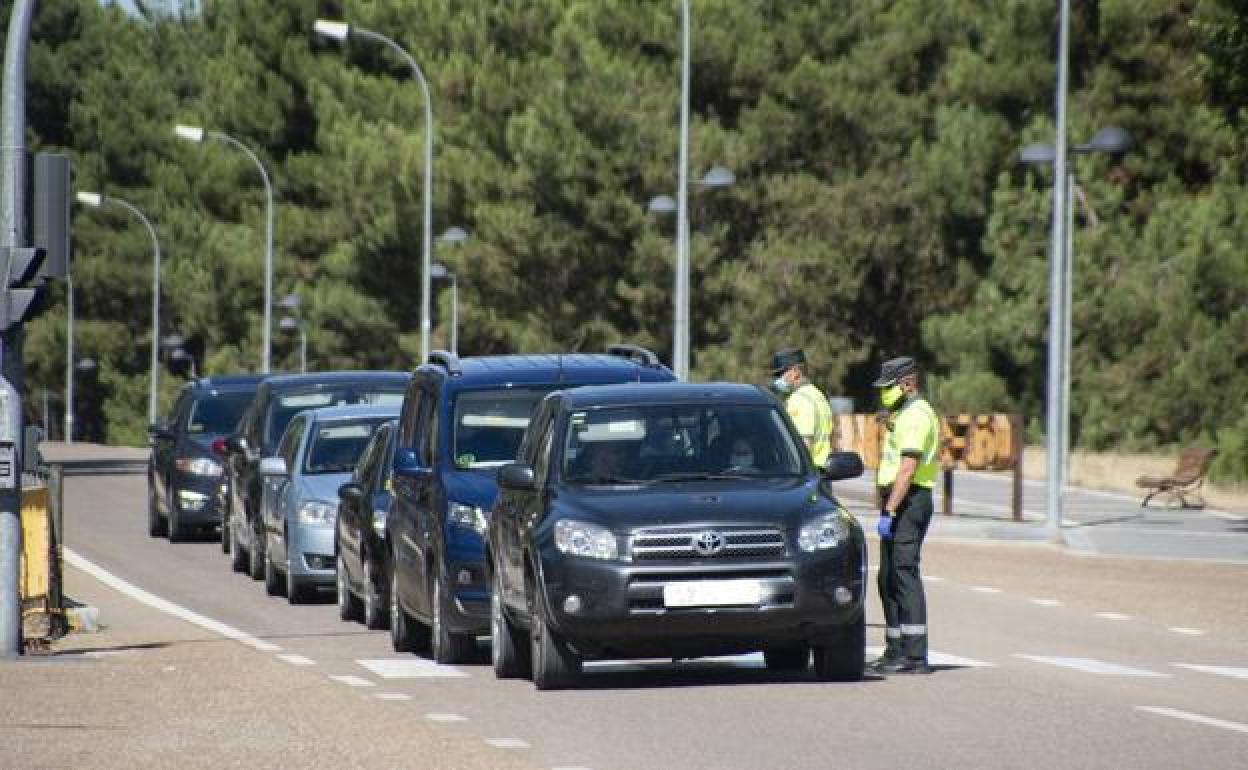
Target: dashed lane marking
<point>296,660</point>
<point>1197,718</point>
<point>507,743</point>
<point>1046,602</point>
<point>1234,672</point>
<point>985,590</point>
<point>351,681</point>
<point>409,668</point>
<point>1090,666</point>
<point>446,718</point>
<point>1187,631</point>
<point>1112,616</point>
<point>164,605</point>
<point>392,696</point>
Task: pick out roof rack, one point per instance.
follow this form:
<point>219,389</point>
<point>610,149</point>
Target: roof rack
<point>447,360</point>
<point>636,354</point>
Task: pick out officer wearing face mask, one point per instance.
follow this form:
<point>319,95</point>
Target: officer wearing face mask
<point>806,404</point>
<point>908,470</point>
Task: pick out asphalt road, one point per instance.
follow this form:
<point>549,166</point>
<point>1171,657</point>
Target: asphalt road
<point>1045,657</point>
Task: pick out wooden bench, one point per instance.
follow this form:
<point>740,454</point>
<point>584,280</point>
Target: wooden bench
<point>1181,489</point>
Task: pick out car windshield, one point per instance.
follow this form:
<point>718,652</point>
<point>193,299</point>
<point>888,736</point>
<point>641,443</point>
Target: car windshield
<point>286,406</point>
<point>678,442</point>
<point>216,414</point>
<point>489,424</point>
<point>337,446</point>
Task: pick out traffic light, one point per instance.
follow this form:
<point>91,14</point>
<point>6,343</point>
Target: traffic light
<point>30,268</point>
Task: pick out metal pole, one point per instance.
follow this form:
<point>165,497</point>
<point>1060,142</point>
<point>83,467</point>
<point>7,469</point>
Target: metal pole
<point>153,396</point>
<point>69,357</point>
<point>303,350</point>
<point>680,321</point>
<point>12,209</point>
<point>1067,326</point>
<point>1056,407</point>
<point>266,337</point>
<point>454,314</point>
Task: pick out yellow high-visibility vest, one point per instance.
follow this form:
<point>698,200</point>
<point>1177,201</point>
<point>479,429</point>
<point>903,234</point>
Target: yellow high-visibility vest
<point>915,431</point>
<point>812,415</point>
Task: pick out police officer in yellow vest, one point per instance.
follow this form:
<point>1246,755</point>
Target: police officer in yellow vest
<point>806,404</point>
<point>908,470</point>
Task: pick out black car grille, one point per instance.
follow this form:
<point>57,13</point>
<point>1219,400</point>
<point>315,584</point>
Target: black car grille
<point>738,542</point>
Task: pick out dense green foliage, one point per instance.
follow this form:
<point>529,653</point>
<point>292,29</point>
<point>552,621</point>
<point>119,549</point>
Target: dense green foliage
<point>879,207</point>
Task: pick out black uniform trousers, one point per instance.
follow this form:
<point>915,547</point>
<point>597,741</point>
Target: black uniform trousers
<point>901,587</point>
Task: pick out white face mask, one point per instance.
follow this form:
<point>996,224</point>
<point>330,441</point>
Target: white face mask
<point>742,460</point>
<point>782,385</point>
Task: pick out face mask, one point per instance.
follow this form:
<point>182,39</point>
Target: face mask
<point>742,461</point>
<point>781,385</point>
<point>891,396</point>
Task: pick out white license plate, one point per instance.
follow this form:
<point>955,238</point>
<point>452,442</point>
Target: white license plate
<point>712,593</point>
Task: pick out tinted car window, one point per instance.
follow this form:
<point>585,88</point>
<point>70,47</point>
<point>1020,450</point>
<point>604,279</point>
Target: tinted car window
<point>650,443</point>
<point>489,424</point>
<point>336,446</point>
<point>217,414</point>
<point>286,405</point>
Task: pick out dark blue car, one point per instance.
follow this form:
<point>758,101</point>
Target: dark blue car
<point>461,420</point>
<point>361,568</point>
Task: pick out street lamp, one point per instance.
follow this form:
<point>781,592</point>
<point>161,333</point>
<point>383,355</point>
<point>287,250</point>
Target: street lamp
<point>198,135</point>
<point>680,314</point>
<point>341,32</point>
<point>453,235</point>
<point>1110,140</point>
<point>664,204</point>
<point>290,323</point>
<point>96,200</point>
<point>181,355</point>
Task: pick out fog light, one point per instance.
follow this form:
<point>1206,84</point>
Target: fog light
<point>843,595</point>
<point>318,561</point>
<point>191,501</point>
<point>572,604</point>
<point>465,577</point>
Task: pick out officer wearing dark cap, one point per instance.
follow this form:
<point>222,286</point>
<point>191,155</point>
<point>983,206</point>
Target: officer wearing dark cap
<point>806,404</point>
<point>909,464</point>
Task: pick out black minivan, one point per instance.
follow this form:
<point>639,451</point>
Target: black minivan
<point>672,521</point>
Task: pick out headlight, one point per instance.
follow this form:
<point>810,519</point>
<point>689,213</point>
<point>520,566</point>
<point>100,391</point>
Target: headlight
<point>379,523</point>
<point>198,466</point>
<point>468,516</point>
<point>317,512</point>
<point>827,531</point>
<point>191,500</point>
<point>580,539</point>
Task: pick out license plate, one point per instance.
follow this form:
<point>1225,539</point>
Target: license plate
<point>712,593</point>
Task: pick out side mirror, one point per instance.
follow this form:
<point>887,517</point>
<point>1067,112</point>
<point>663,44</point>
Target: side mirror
<point>842,465</point>
<point>350,492</point>
<point>273,466</point>
<point>516,476</point>
<point>159,429</point>
<point>407,464</point>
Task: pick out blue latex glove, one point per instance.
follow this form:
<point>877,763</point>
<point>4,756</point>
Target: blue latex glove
<point>885,526</point>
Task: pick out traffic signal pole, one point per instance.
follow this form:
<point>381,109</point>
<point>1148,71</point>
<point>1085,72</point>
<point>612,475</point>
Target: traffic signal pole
<point>13,237</point>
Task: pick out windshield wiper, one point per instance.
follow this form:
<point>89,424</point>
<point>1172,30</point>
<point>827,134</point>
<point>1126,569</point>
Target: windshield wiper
<point>700,476</point>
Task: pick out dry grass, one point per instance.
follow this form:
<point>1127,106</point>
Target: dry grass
<point>1118,471</point>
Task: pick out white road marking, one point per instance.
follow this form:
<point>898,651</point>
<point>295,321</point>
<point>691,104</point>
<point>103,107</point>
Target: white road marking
<point>1090,666</point>
<point>507,743</point>
<point>1198,718</point>
<point>939,659</point>
<point>1187,631</point>
<point>296,660</point>
<point>985,590</point>
<point>1047,602</point>
<point>164,605</point>
<point>1113,616</point>
<point>446,718</point>
<point>392,696</point>
<point>578,767</point>
<point>932,579</point>
<point>1234,672</point>
<point>409,668</point>
<point>351,681</point>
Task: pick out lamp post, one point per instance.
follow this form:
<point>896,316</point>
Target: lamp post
<point>181,355</point>
<point>290,323</point>
<point>680,314</point>
<point>341,31</point>
<point>96,200</point>
<point>664,204</point>
<point>453,235</point>
<point>69,356</point>
<point>198,135</point>
<point>1110,140</point>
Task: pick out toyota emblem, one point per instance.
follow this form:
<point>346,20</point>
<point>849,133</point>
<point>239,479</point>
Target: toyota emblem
<point>708,543</point>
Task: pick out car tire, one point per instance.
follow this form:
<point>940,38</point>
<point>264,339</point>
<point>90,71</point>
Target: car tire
<point>509,651</point>
<point>273,583</point>
<point>257,555</point>
<point>555,665</point>
<point>297,591</point>
<point>841,656</point>
<point>446,646</point>
<point>348,603</point>
<point>177,532</point>
<point>787,657</point>
<point>225,534</point>
<point>404,634</point>
<point>375,617</point>
<point>238,556</point>
<point>155,522</point>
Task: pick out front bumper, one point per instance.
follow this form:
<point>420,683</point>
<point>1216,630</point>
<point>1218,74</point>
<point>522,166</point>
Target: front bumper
<point>311,553</point>
<point>199,500</point>
<point>622,611</point>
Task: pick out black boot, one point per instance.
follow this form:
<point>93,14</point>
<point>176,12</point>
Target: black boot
<point>903,666</point>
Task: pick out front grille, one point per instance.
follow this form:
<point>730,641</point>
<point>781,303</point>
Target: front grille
<point>739,542</point>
